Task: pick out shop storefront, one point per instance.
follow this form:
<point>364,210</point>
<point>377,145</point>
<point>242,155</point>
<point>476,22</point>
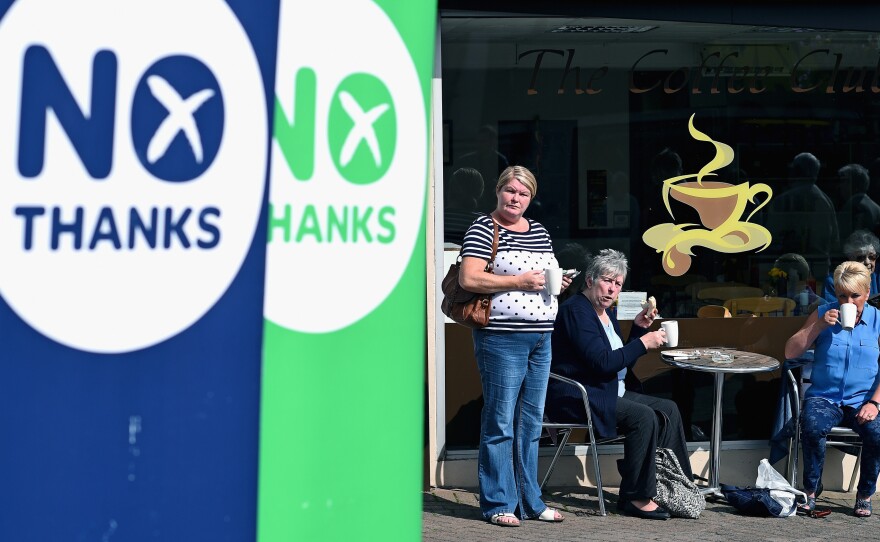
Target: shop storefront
<point>770,117</point>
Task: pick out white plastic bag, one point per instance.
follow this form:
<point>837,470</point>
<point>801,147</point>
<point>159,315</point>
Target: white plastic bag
<point>781,491</point>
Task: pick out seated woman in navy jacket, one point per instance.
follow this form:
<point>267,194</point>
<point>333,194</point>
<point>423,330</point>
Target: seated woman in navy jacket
<point>587,347</point>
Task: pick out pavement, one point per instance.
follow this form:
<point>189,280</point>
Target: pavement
<point>453,515</point>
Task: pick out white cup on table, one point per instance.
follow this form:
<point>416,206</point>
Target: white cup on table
<point>848,316</point>
<point>553,280</point>
<point>671,329</point>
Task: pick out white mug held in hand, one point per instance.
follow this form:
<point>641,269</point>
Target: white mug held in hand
<point>671,329</point>
<point>848,316</point>
<point>553,280</point>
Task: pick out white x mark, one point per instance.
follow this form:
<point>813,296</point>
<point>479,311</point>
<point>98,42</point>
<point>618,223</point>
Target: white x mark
<point>362,129</point>
<point>180,118</point>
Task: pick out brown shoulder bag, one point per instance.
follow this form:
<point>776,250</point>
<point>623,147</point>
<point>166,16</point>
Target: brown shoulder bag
<point>467,308</point>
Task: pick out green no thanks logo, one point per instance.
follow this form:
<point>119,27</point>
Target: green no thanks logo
<point>361,128</point>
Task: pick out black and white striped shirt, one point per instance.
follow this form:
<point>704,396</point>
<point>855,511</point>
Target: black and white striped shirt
<point>518,252</point>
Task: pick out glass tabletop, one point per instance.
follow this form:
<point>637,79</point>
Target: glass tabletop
<point>719,359</point>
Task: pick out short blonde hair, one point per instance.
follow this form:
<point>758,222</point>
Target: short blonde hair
<point>852,277</point>
<point>521,174</point>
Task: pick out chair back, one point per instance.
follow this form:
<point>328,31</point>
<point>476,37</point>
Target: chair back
<point>713,311</point>
<point>695,288</point>
<point>839,437</point>
<point>723,293</point>
<point>761,306</point>
<point>566,428</point>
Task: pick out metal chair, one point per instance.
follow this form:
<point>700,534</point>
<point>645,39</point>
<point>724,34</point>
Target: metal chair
<point>839,437</point>
<point>566,428</point>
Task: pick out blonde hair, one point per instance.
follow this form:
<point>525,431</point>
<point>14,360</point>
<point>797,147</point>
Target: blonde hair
<point>521,174</point>
<point>852,277</point>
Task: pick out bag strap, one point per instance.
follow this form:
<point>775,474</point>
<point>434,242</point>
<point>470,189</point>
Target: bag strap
<point>491,265</point>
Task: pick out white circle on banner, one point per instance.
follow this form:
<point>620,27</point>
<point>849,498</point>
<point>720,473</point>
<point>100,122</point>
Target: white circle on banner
<point>342,237</point>
<point>119,255</point>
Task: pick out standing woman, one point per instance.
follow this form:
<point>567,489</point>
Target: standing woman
<point>513,351</point>
<point>843,389</point>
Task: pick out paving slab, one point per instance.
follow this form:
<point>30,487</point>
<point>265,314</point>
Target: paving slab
<point>453,515</point>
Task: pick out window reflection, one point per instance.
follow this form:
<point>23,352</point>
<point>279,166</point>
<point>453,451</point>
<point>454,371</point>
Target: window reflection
<point>603,122</point>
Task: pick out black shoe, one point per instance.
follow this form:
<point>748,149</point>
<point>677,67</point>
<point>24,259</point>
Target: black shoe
<point>628,508</point>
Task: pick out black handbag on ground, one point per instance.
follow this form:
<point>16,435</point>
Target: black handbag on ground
<point>464,307</point>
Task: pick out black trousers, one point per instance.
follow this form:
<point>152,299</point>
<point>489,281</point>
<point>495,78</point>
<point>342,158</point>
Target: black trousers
<point>647,422</point>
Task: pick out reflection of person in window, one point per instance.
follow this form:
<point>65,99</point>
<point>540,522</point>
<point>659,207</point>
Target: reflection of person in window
<point>844,377</point>
<point>861,246</point>
<point>802,219</point>
<point>858,211</point>
<point>797,277</point>
<point>460,210</point>
<point>487,160</point>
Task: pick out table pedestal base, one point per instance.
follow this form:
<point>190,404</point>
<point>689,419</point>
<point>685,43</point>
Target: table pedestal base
<point>714,489</point>
<point>729,361</point>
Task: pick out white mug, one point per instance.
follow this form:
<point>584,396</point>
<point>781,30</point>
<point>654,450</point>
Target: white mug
<point>553,280</point>
<point>848,316</point>
<point>671,329</point>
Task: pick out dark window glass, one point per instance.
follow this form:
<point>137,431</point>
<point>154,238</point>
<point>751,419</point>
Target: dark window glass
<point>779,171</point>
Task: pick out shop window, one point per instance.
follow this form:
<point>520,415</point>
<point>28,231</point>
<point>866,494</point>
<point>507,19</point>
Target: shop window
<point>604,121</point>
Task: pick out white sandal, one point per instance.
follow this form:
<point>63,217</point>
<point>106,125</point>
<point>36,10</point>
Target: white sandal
<point>550,514</point>
<point>505,519</point>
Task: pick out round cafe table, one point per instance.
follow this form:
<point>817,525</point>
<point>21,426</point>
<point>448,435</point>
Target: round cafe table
<point>719,361</point>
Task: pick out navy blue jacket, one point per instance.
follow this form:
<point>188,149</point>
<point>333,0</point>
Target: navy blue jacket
<point>582,352</point>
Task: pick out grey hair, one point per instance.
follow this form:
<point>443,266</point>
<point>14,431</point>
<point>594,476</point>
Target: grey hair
<point>858,240</point>
<point>607,262</point>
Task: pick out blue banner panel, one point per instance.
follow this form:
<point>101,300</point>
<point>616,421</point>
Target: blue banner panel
<point>134,149</point>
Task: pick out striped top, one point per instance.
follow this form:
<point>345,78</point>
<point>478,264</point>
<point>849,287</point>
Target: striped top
<point>518,252</point>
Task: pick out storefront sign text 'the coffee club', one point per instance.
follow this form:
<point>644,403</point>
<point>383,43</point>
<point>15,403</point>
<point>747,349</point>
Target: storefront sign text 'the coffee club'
<point>817,71</point>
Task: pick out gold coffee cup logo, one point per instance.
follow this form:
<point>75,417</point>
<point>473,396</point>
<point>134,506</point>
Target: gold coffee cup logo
<point>721,207</point>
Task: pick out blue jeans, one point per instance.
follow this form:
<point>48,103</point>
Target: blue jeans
<point>514,368</point>
<point>817,419</point>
